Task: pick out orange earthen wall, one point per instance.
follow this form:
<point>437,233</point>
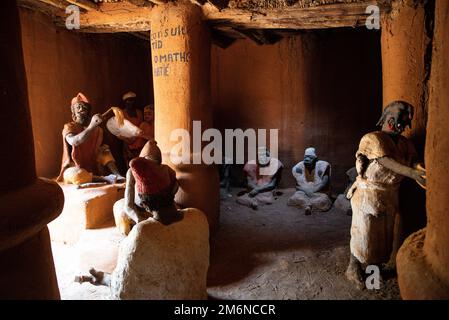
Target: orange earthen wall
<point>321,89</point>
<point>60,63</point>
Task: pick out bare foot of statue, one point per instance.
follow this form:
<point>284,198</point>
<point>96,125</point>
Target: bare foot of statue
<point>354,272</point>
<point>113,168</point>
<point>120,178</point>
<point>308,211</point>
<point>114,178</point>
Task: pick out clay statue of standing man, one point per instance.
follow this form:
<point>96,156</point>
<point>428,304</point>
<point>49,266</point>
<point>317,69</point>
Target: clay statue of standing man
<point>312,183</point>
<point>261,184</point>
<point>85,158</point>
<point>383,159</point>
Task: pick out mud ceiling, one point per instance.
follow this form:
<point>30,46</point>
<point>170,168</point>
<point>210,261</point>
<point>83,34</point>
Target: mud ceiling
<point>263,21</point>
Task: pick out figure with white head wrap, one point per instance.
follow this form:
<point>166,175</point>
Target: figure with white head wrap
<point>263,176</point>
<point>312,183</point>
<point>85,158</point>
<point>383,159</point>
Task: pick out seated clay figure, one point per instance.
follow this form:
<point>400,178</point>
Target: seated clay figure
<point>149,195</point>
<point>383,159</point>
<point>312,184</point>
<point>263,177</point>
<point>342,202</point>
<point>150,190</point>
<point>85,158</point>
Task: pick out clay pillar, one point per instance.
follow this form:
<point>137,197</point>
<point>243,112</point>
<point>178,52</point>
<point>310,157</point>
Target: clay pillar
<point>405,44</point>
<point>27,204</point>
<point>180,45</point>
<point>406,51</point>
<point>424,258</point>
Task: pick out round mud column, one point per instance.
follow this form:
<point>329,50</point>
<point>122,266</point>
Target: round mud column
<point>180,46</point>
<point>27,204</point>
<point>423,260</point>
<point>406,56</point>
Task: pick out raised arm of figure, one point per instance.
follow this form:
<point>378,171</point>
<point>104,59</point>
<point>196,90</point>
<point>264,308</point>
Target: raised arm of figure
<point>76,140</point>
<point>130,206</point>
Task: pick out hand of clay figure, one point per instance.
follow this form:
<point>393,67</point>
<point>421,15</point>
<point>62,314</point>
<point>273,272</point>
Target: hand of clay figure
<point>308,192</point>
<point>96,120</point>
<point>253,193</point>
<point>420,176</point>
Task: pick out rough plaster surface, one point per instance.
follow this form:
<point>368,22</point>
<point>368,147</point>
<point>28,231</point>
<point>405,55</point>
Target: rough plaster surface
<point>164,262</point>
<point>84,209</point>
<point>426,255</point>
<point>27,204</point>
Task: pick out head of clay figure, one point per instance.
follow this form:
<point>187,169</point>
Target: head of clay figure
<point>148,113</point>
<point>396,117</point>
<point>263,156</point>
<point>129,99</point>
<point>151,151</point>
<point>310,158</point>
<point>81,109</point>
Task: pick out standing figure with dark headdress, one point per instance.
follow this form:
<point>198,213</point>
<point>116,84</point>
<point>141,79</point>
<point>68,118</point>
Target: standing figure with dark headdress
<point>383,159</point>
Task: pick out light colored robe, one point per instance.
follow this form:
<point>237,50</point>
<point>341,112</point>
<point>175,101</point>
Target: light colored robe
<point>374,197</point>
<point>319,201</point>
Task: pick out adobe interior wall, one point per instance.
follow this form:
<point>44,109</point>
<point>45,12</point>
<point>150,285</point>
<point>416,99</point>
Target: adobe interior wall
<point>60,63</point>
<point>321,89</point>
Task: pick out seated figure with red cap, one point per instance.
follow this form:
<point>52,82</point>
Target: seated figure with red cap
<point>85,158</point>
<point>150,191</point>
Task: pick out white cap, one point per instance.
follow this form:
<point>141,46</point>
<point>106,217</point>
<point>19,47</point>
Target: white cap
<point>310,152</point>
<point>128,95</point>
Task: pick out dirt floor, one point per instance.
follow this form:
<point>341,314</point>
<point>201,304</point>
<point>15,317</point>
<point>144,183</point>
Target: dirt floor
<point>276,252</point>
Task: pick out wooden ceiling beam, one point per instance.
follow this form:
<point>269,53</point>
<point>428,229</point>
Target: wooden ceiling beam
<point>85,4</point>
<point>126,16</point>
<point>317,17</point>
<point>156,2</point>
<point>140,3</point>
<point>60,4</point>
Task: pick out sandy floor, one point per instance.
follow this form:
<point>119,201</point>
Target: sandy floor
<point>276,252</point>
